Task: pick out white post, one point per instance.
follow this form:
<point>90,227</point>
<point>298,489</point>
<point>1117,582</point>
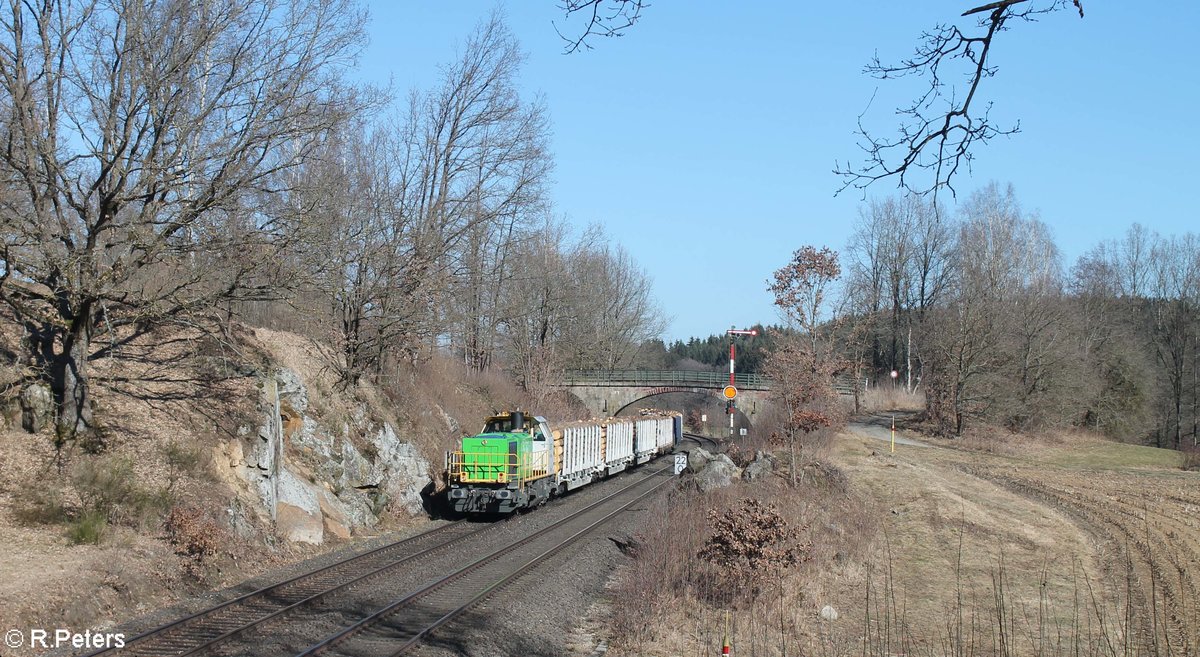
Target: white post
<point>732,353</point>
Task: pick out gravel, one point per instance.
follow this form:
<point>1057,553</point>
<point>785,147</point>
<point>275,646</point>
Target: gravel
<point>546,611</point>
<point>537,615</point>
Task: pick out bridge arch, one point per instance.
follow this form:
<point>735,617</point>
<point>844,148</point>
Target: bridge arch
<point>708,402</point>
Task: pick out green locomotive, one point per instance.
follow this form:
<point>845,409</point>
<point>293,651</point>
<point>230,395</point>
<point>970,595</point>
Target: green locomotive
<point>518,462</point>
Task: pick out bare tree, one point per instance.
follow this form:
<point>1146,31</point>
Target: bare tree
<point>536,305</point>
<point>611,305</point>
<point>602,18</point>
<point>143,146</point>
<point>897,262</point>
<point>942,126</point>
<point>803,366</point>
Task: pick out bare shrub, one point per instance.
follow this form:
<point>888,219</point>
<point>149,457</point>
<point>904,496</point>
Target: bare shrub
<point>40,504</point>
<point>194,535</point>
<point>109,486</point>
<point>664,569</point>
<point>750,543</point>
<point>1191,459</point>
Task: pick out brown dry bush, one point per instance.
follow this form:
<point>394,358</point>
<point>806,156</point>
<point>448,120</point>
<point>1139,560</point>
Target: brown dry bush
<point>108,485</point>
<point>672,599</point>
<point>40,503</point>
<point>749,544</point>
<point>194,535</point>
<point>1191,459</point>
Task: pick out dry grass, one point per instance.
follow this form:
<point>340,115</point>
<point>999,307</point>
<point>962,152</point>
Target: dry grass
<point>673,603</point>
<point>930,508</point>
<point>1069,448</point>
<point>997,547</point>
<point>887,398</point>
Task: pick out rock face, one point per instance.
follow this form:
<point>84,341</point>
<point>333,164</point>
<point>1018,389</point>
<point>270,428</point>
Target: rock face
<point>320,482</point>
<point>298,515</point>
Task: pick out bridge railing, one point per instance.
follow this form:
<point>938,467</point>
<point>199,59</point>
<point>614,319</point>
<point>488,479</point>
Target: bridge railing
<point>665,378</point>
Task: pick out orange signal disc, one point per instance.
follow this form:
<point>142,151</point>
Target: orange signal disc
<point>730,392</point>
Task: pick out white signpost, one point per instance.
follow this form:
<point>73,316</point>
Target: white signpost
<point>680,462</point>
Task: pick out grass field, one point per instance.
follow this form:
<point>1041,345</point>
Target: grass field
<point>1093,546</point>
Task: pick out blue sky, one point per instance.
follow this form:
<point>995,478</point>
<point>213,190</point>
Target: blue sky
<point>704,140</point>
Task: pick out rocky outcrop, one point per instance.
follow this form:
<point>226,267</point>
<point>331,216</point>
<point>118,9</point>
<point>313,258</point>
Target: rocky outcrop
<point>298,515</point>
<point>37,407</point>
<point>322,482</point>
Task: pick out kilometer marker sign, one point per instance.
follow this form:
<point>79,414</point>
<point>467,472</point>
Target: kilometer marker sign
<point>730,392</point>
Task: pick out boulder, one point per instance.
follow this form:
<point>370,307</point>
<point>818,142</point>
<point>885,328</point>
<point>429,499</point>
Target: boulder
<point>719,473</point>
<point>760,467</point>
<point>37,407</point>
<point>335,522</point>
<point>331,508</point>
<point>297,525</point>
<point>697,459</point>
<point>829,613</point>
<point>335,529</point>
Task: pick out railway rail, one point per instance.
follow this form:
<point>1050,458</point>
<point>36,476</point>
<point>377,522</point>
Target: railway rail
<point>704,442</point>
<point>199,632</point>
<point>209,630</point>
<point>388,632</point>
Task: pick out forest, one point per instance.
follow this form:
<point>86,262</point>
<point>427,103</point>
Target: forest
<point>979,310</point>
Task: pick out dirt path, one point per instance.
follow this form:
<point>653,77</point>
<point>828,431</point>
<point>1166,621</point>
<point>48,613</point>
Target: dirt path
<point>883,433</point>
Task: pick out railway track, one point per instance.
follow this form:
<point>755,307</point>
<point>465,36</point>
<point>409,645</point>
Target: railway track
<point>401,625</point>
<point>212,630</point>
<point>703,442</point>
<point>202,631</point>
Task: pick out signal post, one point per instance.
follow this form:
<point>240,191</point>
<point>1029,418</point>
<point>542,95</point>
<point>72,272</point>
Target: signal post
<point>730,391</point>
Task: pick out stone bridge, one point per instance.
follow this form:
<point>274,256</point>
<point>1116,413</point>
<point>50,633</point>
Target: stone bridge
<point>608,392</point>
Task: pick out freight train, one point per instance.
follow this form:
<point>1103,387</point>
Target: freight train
<point>519,461</point>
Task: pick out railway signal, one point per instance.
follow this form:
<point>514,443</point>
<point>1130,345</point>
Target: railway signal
<point>730,392</point>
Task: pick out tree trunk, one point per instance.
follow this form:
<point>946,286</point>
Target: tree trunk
<point>1195,417</point>
<point>908,384</point>
<point>72,389</point>
<point>792,449</point>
